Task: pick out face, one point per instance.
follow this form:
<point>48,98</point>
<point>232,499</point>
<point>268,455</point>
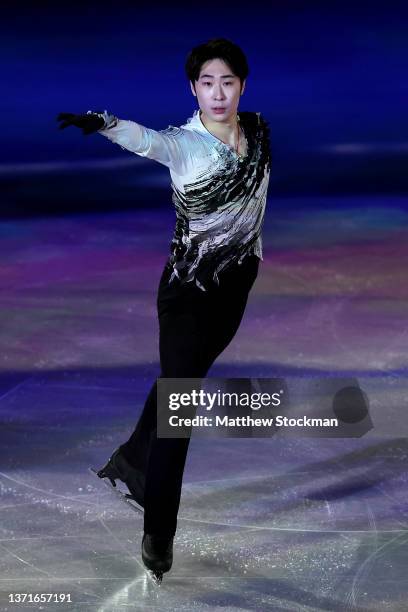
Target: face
<point>218,88</point>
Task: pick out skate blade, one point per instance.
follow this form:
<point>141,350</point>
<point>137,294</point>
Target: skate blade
<point>156,577</point>
<point>126,497</point>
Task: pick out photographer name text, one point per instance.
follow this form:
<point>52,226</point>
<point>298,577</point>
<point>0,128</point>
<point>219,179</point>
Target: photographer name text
<point>248,421</point>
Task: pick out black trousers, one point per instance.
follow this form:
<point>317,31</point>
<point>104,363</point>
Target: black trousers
<point>195,327</point>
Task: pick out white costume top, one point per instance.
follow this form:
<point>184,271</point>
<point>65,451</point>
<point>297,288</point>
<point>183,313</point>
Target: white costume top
<point>219,197</point>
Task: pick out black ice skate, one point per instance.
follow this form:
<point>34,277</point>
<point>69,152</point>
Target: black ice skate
<point>118,468</point>
<point>157,554</point>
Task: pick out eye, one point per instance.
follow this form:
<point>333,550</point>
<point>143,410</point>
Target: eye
<point>228,83</point>
<point>206,83</point>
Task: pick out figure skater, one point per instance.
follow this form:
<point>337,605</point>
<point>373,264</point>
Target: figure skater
<point>219,164</point>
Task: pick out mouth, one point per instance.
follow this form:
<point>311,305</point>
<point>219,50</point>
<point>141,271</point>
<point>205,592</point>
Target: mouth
<point>219,109</point>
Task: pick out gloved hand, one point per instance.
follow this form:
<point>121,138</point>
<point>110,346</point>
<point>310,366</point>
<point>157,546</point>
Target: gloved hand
<point>89,123</point>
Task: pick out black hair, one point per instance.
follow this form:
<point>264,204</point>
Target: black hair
<point>216,48</point>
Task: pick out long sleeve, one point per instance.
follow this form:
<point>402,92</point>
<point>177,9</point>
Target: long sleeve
<point>169,147</point>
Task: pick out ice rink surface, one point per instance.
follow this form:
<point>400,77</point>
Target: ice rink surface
<point>297,524</point>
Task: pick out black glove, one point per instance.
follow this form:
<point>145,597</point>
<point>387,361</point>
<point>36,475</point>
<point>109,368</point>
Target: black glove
<point>89,123</point>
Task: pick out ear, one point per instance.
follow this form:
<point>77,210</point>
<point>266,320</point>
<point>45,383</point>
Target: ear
<point>192,89</point>
<point>243,87</point>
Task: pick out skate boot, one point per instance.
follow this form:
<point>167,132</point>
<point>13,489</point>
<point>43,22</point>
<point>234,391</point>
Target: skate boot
<point>119,468</point>
<point>157,554</point>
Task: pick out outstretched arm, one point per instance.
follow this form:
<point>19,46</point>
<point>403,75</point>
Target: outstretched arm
<point>169,147</point>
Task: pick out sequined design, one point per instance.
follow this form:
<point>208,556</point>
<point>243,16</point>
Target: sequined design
<point>219,196</point>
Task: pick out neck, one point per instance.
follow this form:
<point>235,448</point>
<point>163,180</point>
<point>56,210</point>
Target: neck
<point>223,129</point>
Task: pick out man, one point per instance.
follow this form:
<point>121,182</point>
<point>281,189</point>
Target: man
<point>219,163</point>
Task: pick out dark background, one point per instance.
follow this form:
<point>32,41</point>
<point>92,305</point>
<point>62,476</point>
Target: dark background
<point>330,78</point>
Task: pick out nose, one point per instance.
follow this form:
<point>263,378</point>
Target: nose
<point>217,92</point>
